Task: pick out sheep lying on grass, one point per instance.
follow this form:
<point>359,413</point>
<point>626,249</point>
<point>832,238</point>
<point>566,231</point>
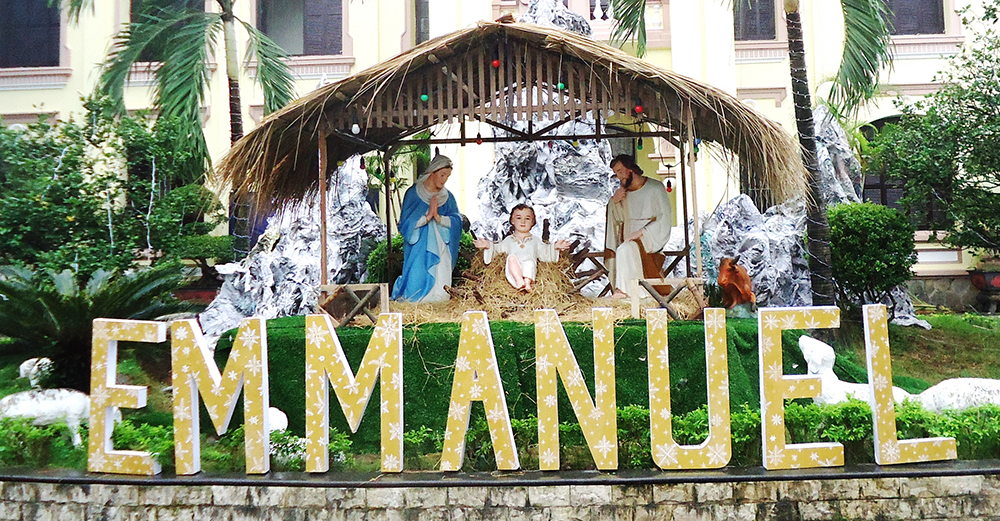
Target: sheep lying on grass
<point>48,406</point>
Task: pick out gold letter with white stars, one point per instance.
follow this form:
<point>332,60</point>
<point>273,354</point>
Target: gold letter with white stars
<point>717,449</point>
<point>554,359</point>
<point>195,371</point>
<point>775,387</point>
<point>106,396</point>
<point>326,362</point>
<point>888,449</point>
<point>477,378</point>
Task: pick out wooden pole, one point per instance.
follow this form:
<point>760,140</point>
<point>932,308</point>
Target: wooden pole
<point>322,209</point>
<point>684,205</point>
<point>694,189</point>
<point>386,157</point>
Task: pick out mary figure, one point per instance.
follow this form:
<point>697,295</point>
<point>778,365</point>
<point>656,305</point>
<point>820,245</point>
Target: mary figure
<point>431,227</point>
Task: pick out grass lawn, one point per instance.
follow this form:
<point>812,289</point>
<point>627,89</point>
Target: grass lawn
<point>958,346</point>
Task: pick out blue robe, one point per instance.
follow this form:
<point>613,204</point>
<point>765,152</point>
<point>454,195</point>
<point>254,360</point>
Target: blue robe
<point>420,250</point>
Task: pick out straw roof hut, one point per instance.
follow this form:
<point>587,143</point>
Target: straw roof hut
<point>497,72</point>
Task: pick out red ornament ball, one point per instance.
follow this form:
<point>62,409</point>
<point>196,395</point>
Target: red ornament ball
<point>496,63</point>
<point>638,109</point>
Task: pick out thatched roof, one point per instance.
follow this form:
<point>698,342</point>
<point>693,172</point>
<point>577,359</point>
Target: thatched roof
<point>483,73</point>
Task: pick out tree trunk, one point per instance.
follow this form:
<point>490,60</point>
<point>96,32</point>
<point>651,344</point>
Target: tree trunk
<point>232,71</point>
<point>817,229</point>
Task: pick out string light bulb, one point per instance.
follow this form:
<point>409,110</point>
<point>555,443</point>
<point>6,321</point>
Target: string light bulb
<point>479,138</point>
<point>355,129</point>
<point>638,145</point>
<point>670,187</point>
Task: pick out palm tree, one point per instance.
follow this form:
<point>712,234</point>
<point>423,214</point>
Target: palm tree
<point>866,53</point>
<point>187,39</point>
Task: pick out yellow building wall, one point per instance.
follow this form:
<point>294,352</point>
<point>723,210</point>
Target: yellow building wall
<point>692,38</point>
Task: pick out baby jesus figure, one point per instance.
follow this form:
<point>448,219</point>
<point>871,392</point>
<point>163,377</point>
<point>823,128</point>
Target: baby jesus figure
<point>523,249</point>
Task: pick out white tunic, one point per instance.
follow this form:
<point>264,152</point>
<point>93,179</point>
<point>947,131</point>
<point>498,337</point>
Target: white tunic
<point>527,251</point>
<point>647,209</point>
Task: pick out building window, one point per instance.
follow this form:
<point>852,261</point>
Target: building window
<point>29,34</point>
<point>303,27</point>
<point>916,16</point>
<point>422,19</point>
<point>754,20</point>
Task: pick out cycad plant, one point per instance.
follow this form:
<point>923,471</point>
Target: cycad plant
<point>52,314</point>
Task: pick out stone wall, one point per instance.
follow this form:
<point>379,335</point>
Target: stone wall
<point>889,498</point>
<point>955,293</point>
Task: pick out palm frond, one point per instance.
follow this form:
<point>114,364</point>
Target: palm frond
<point>273,75</point>
<point>73,8</point>
<point>866,52</point>
<point>630,24</point>
<point>127,49</point>
<point>182,78</point>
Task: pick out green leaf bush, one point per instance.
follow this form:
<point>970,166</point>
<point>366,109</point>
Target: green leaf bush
<point>872,250</point>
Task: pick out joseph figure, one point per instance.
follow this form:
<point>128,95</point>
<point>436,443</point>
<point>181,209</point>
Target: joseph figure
<point>639,221</point>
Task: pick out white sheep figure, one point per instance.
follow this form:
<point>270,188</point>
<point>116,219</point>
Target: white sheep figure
<point>276,419</point>
<point>820,359</point>
<point>48,406</point>
<point>34,369</point>
<point>951,394</point>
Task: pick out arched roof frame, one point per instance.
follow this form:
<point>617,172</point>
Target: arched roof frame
<point>487,73</point>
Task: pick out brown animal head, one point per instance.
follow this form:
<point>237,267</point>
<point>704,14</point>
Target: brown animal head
<point>734,281</point>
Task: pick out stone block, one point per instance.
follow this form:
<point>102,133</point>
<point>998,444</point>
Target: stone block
<point>114,495</point>
<point>355,514</point>
<point>880,488</point>
<point>230,495</point>
<point>590,495</point>
<point>548,496</point>
<point>673,493</point>
<point>756,491</point>
<point>806,490</point>
<point>653,512</point>
<point>425,497</point>
<point>385,498</point>
<point>817,510</point>
<point>61,493</point>
<point>840,489</point>
<point>631,495</point>
<point>705,492</point>
<point>10,510</point>
<point>937,507</point>
<point>690,512</point>
<point>384,514</point>
<point>474,497</point>
<point>173,513</point>
<point>956,485</point>
<point>570,513</point>
<point>24,492</point>
<point>511,497</point>
<point>299,497</point>
<point>346,498</point>
<point>327,514</point>
<point>438,513</point>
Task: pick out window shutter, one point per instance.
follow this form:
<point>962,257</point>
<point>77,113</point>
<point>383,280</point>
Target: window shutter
<point>754,20</point>
<point>323,27</point>
<point>916,16</point>
<point>29,34</point>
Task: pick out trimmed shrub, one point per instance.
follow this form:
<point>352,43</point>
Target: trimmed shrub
<point>872,247</point>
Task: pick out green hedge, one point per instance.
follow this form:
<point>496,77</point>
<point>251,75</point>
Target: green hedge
<point>429,352</point>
